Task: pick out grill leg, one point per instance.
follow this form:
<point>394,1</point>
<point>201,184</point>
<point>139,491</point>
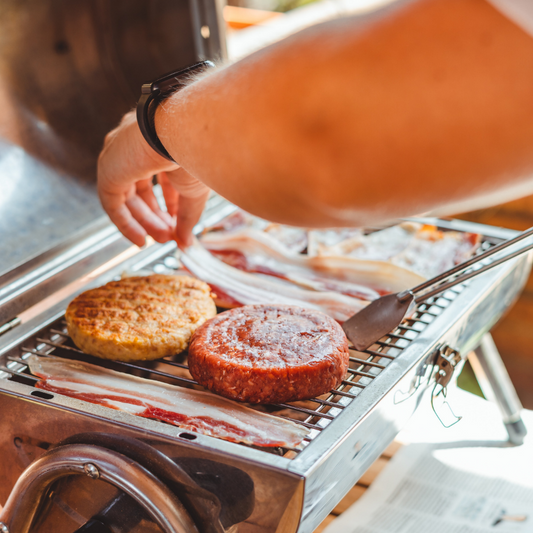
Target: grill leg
<point>496,385</point>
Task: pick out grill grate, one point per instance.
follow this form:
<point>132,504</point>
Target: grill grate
<point>315,414</point>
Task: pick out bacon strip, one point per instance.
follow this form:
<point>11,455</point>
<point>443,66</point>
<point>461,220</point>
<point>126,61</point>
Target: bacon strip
<point>191,410</point>
<point>289,237</point>
<point>254,251</point>
<point>423,249</point>
<point>249,289</point>
<point>344,260</point>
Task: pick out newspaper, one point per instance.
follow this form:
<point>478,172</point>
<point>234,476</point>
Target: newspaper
<point>459,486</point>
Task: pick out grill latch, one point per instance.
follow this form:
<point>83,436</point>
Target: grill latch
<point>446,360</point>
<point>444,363</point>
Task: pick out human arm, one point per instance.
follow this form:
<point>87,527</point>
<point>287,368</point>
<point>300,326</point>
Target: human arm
<point>425,105</point>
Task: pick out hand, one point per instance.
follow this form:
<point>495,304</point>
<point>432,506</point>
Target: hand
<point>126,167</point>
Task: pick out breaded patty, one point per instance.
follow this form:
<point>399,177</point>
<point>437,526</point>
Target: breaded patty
<point>140,317</point>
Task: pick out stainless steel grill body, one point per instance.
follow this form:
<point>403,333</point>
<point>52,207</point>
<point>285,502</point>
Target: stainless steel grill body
<point>293,490</point>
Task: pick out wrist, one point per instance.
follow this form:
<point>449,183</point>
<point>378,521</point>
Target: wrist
<point>152,94</point>
<point>167,116</point>
<point>155,160</point>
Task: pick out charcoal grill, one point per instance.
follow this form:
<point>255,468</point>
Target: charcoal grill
<point>83,463</point>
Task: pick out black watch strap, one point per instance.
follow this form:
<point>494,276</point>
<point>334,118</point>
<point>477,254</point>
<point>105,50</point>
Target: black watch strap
<point>154,93</point>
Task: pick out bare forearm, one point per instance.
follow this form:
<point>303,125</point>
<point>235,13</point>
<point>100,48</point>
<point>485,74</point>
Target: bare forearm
<point>351,122</point>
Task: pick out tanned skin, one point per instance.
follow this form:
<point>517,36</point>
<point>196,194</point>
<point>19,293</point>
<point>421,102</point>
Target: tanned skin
<point>426,105</point>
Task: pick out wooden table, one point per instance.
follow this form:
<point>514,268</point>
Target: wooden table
<point>359,488</point>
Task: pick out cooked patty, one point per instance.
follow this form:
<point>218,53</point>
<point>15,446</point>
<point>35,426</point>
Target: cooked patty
<point>140,317</point>
<point>269,354</point>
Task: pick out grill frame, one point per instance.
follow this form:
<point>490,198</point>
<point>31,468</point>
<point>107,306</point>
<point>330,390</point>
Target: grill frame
<point>335,458</point>
<point>51,340</point>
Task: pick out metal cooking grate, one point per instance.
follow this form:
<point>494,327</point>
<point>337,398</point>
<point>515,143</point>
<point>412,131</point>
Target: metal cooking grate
<point>315,414</point>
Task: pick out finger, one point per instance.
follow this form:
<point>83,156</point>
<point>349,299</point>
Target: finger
<point>170,194</point>
<point>192,197</point>
<point>115,206</point>
<point>126,159</point>
<point>153,225</point>
<point>146,191</point>
<point>189,212</point>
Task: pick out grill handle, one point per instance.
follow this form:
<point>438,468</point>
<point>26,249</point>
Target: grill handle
<point>98,463</point>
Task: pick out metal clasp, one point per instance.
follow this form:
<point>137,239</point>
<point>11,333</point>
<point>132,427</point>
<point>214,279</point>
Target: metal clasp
<point>445,360</point>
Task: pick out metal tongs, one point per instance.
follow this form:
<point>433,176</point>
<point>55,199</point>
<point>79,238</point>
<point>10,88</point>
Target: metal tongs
<point>386,313</point>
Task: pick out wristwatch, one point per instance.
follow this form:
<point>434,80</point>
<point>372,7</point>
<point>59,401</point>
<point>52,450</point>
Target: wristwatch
<point>152,94</point>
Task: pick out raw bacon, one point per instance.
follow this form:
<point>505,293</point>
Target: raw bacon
<point>421,248</point>
<point>249,289</point>
<point>389,260</point>
<point>380,245</point>
<point>291,238</point>
<point>190,410</point>
<point>253,251</point>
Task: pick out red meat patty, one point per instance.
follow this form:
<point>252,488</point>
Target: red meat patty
<point>269,354</point>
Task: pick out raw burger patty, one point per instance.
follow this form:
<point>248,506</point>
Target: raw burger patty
<point>139,318</point>
<point>269,354</point>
